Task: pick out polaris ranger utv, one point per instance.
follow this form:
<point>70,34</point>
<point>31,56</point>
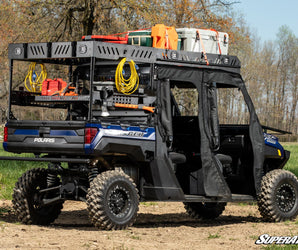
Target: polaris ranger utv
<point>124,138</point>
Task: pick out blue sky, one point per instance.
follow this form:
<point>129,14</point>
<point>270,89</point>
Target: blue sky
<point>266,16</point>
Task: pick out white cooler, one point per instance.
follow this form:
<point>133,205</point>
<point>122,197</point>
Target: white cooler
<point>211,41</point>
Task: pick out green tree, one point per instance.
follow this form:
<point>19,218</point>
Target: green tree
<point>288,68</point>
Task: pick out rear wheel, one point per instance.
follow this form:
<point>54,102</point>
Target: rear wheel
<point>27,199</point>
<point>278,198</point>
<point>205,210</point>
<point>112,200</point>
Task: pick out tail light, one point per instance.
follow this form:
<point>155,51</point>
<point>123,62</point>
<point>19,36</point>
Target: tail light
<point>90,133</point>
<point>5,134</point>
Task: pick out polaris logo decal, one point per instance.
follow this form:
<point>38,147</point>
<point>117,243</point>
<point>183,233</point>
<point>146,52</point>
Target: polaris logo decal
<point>44,140</point>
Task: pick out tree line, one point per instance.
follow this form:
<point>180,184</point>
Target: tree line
<point>269,69</point>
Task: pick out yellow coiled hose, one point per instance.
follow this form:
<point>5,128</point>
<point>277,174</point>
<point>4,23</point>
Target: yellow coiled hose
<point>35,85</point>
<point>130,85</point>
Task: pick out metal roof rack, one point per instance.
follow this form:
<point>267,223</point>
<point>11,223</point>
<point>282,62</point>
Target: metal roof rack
<point>112,51</point>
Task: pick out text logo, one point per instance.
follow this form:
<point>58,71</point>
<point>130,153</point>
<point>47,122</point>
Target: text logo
<point>266,239</point>
<point>44,140</point>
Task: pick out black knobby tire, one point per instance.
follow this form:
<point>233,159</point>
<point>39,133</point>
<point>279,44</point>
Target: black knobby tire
<point>27,199</point>
<point>205,210</point>
<point>112,201</point>
<point>278,197</point>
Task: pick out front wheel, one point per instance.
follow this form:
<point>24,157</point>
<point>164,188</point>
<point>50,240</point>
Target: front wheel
<point>278,198</point>
<point>112,200</point>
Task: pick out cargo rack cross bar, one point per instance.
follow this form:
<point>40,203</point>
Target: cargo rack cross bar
<point>112,51</point>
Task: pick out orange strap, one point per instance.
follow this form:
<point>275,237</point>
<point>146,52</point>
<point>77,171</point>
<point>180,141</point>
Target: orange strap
<point>217,39</point>
<point>134,106</point>
<point>118,34</point>
<point>167,39</point>
<point>202,45</point>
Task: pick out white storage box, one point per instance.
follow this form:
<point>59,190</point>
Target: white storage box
<point>198,40</point>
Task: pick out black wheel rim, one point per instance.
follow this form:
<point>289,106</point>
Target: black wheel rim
<point>119,201</point>
<point>37,199</point>
<point>37,204</point>
<point>285,197</point>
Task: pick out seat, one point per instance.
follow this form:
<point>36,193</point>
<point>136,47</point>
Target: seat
<point>226,162</point>
<point>224,159</point>
<point>177,158</point>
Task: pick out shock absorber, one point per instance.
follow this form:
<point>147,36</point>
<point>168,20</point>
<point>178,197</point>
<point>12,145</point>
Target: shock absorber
<point>51,179</point>
<point>93,172</point>
<point>97,165</point>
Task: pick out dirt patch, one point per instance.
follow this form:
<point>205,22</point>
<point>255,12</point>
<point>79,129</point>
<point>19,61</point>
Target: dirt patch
<point>159,226</point>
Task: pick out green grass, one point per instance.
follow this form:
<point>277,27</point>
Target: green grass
<point>292,164</point>
<point>4,210</point>
<point>10,171</point>
<point>254,237</point>
<point>135,237</point>
<point>279,247</point>
<point>213,236</point>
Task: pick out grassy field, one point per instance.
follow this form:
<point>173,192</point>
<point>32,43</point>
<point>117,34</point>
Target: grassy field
<point>292,164</point>
<point>10,171</point>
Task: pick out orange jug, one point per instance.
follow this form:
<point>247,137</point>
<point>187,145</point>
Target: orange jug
<point>164,37</point>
